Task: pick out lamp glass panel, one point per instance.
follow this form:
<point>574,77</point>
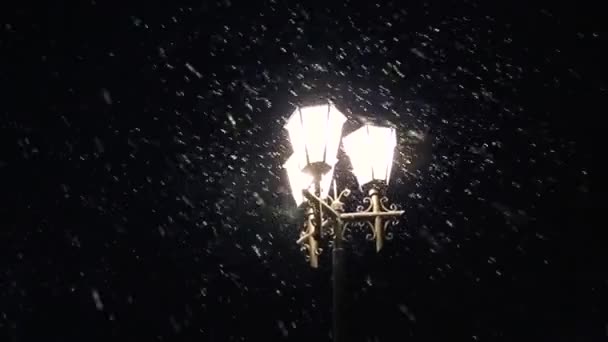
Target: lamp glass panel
<point>391,144</point>
<point>298,180</point>
<point>335,123</point>
<point>315,132</point>
<point>359,152</point>
<point>297,138</point>
<point>325,183</point>
<point>314,129</point>
<point>384,141</point>
<point>371,150</point>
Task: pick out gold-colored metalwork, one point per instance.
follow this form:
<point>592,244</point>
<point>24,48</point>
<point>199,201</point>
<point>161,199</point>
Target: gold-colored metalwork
<point>329,213</point>
<point>308,238</point>
<point>377,215</point>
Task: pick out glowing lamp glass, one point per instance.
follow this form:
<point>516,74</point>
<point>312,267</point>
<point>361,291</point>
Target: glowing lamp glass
<point>300,180</point>
<point>370,150</point>
<point>314,133</point>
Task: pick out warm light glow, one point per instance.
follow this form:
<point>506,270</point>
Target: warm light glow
<point>325,183</point>
<point>315,133</point>
<point>370,149</point>
<point>300,180</point>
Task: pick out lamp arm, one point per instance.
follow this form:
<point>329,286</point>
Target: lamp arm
<point>370,215</point>
<point>311,197</point>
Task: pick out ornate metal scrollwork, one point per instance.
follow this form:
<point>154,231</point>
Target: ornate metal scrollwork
<point>346,232</point>
<point>327,217</point>
<point>387,233</point>
<point>306,233</point>
<point>368,236</point>
<point>391,207</point>
<point>343,193</point>
<point>362,209</point>
<point>331,231</point>
<point>392,222</point>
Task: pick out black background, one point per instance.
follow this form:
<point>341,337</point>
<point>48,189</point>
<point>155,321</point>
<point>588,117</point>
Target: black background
<point>143,196</point>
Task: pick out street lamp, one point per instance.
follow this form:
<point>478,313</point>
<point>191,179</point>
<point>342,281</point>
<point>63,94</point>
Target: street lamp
<point>315,133</point>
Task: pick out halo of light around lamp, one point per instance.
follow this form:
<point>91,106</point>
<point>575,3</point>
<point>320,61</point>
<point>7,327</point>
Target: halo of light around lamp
<point>370,150</point>
<point>314,133</point>
<point>300,180</point>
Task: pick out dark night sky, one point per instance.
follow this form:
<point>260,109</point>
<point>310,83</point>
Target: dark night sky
<point>143,197</point>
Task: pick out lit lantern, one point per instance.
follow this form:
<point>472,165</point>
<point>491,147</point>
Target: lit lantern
<point>314,133</point>
<point>370,149</point>
<point>300,180</point>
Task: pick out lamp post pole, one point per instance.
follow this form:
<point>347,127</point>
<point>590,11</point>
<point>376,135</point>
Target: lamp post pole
<point>377,216</point>
<point>338,282</point>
